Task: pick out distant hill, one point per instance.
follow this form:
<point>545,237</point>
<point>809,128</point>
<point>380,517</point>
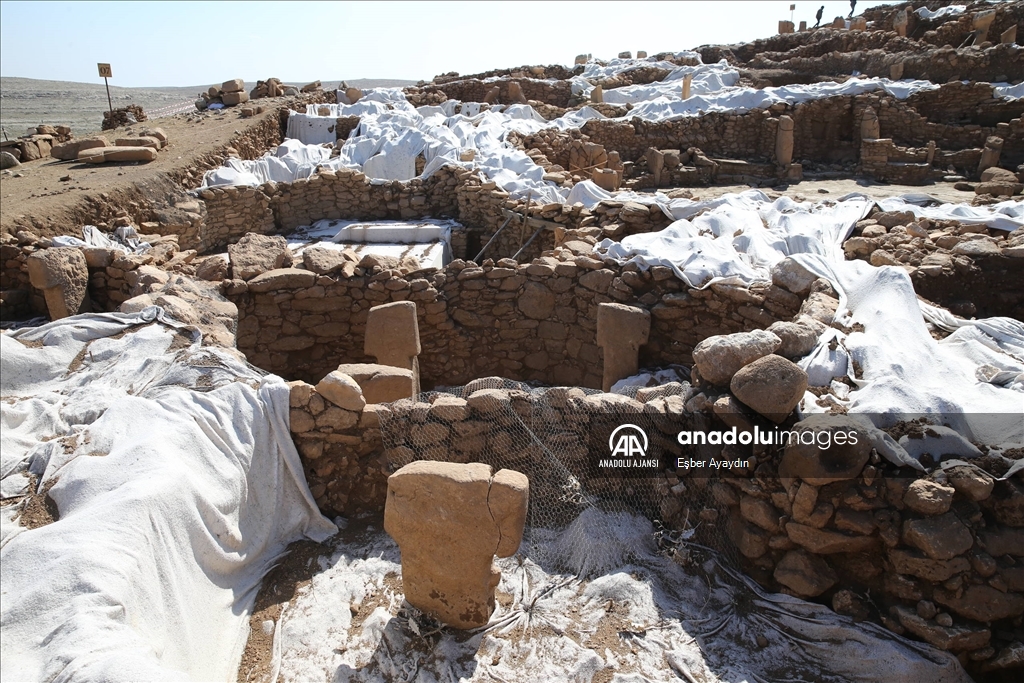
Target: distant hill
<point>26,102</point>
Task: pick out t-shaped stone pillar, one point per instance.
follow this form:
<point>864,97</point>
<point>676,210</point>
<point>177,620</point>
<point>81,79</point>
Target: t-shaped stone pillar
<point>990,153</point>
<point>784,141</point>
<point>63,276</point>
<point>449,521</point>
<point>621,331</point>
<point>869,126</point>
<point>393,337</point>
<point>687,81</point>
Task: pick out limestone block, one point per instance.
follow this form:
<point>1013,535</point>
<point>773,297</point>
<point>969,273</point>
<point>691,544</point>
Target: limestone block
<point>786,26</point>
<point>234,85</point>
<point>805,574</point>
<point>515,93</point>
<point>845,453</point>
<point>798,338</point>
<point>869,126</point>
<point>230,99</point>
<point>63,276</point>
<point>606,179</point>
<point>982,23</point>
<point>784,141</point>
<point>772,386</point>
<point>342,391</point>
<point>393,337</point>
<point>449,521</point>
<point>141,141</point>
<point>322,260</point>
<point>353,95</point>
<point>687,83</point>
<point>621,331</point>
<point>8,160</point>
<point>282,278</point>
<point>99,155</point>
<point>928,497</point>
<point>255,254</point>
<point>597,94</point>
<point>491,97</point>
<point>1009,36</point>
<point>69,150</point>
<point>719,357</point>
<point>380,383</point>
<point>990,153</point>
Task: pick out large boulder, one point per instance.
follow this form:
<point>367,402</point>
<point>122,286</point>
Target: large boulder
<point>806,575</point>
<point>255,254</point>
<point>792,276</point>
<point>823,449</point>
<point>798,338</point>
<point>63,276</point>
<point>772,385</point>
<point>449,521</point>
<point>720,357</point>
<point>342,391</point>
<point>8,160</point>
<point>323,260</point>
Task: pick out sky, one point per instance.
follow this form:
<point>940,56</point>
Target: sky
<point>154,44</point>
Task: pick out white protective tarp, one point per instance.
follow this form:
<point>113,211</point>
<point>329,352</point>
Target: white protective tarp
<point>291,161</point>
<point>975,373</point>
<point>947,11</point>
<point>125,238</point>
<point>177,486</point>
<point>427,240</point>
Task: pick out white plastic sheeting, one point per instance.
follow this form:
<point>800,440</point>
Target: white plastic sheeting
<point>975,373</point>
<point>125,238</point>
<point>291,161</point>
<point>947,11</point>
<point>428,240</point>
<point>177,486</point>
<point>1008,92</point>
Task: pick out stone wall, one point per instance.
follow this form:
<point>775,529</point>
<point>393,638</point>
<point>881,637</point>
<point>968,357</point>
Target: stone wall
<point>533,321</point>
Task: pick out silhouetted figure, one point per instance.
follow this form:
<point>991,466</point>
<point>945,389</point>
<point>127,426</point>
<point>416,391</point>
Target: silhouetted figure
<point>853,7</point>
<point>821,10</point>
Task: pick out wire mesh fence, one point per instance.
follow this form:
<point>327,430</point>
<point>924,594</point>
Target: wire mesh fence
<point>569,442</point>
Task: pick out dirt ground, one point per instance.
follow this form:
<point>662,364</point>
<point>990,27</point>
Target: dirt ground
<point>46,187</point>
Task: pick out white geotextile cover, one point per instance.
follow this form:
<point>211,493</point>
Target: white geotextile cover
<point>948,10</point>
<point>291,161</point>
<point>736,239</point>
<point>428,240</point>
<point>177,486</point>
<point>640,618</point>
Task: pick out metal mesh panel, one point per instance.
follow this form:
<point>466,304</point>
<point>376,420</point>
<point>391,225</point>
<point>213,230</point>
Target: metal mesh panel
<point>555,435</point>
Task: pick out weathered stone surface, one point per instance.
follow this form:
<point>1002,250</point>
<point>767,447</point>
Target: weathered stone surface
<point>536,301</point>
<point>759,512</point>
<point>621,331</point>
<point>322,260</point>
<point>255,254</point>
<point>941,538</point>
<point>99,155</point>
<point>213,268</point>
<point>771,385</point>
<point>943,637</point>
<point>178,308</point>
<point>234,85</point>
<point>820,307</point>
<point>448,408</point>
<point>915,564</point>
<point>380,383</point>
<point>720,357</point>
<point>63,276</point>
<point>488,401</point>
<point>982,603</point>
<point>282,278</point>
<point>792,276</point>
<point>136,304</point>
<point>1003,540</point>
<point>847,453</point>
<point>804,574</point>
<point>928,497</point>
<point>798,339</point>
<point>972,482</point>
<point>68,151</point>
<point>8,160</point>
<point>449,521</point>
<point>342,391</point>
<point>822,542</point>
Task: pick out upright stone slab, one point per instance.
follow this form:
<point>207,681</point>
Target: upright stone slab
<point>982,23</point>
<point>990,153</point>
<point>1009,36</point>
<point>63,276</point>
<point>785,26</point>
<point>597,94</point>
<point>449,521</point>
<point>899,22</point>
<point>491,97</point>
<point>621,331</point>
<point>784,141</point>
<point>353,95</point>
<point>515,93</point>
<point>869,126</point>
<point>393,337</point>
<point>687,82</point>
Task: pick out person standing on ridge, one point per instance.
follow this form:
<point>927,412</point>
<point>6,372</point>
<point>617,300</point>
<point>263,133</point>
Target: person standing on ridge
<point>821,10</point>
<point>853,8</point>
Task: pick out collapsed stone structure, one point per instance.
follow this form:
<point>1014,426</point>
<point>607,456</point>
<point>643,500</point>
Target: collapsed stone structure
<point>940,553</point>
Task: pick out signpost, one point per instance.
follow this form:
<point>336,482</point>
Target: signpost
<point>105,73</point>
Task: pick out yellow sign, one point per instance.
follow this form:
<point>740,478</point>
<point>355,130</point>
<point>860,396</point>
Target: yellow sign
<point>105,71</point>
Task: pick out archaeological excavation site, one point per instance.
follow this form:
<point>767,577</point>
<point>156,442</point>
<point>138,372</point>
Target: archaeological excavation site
<point>694,366</point>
